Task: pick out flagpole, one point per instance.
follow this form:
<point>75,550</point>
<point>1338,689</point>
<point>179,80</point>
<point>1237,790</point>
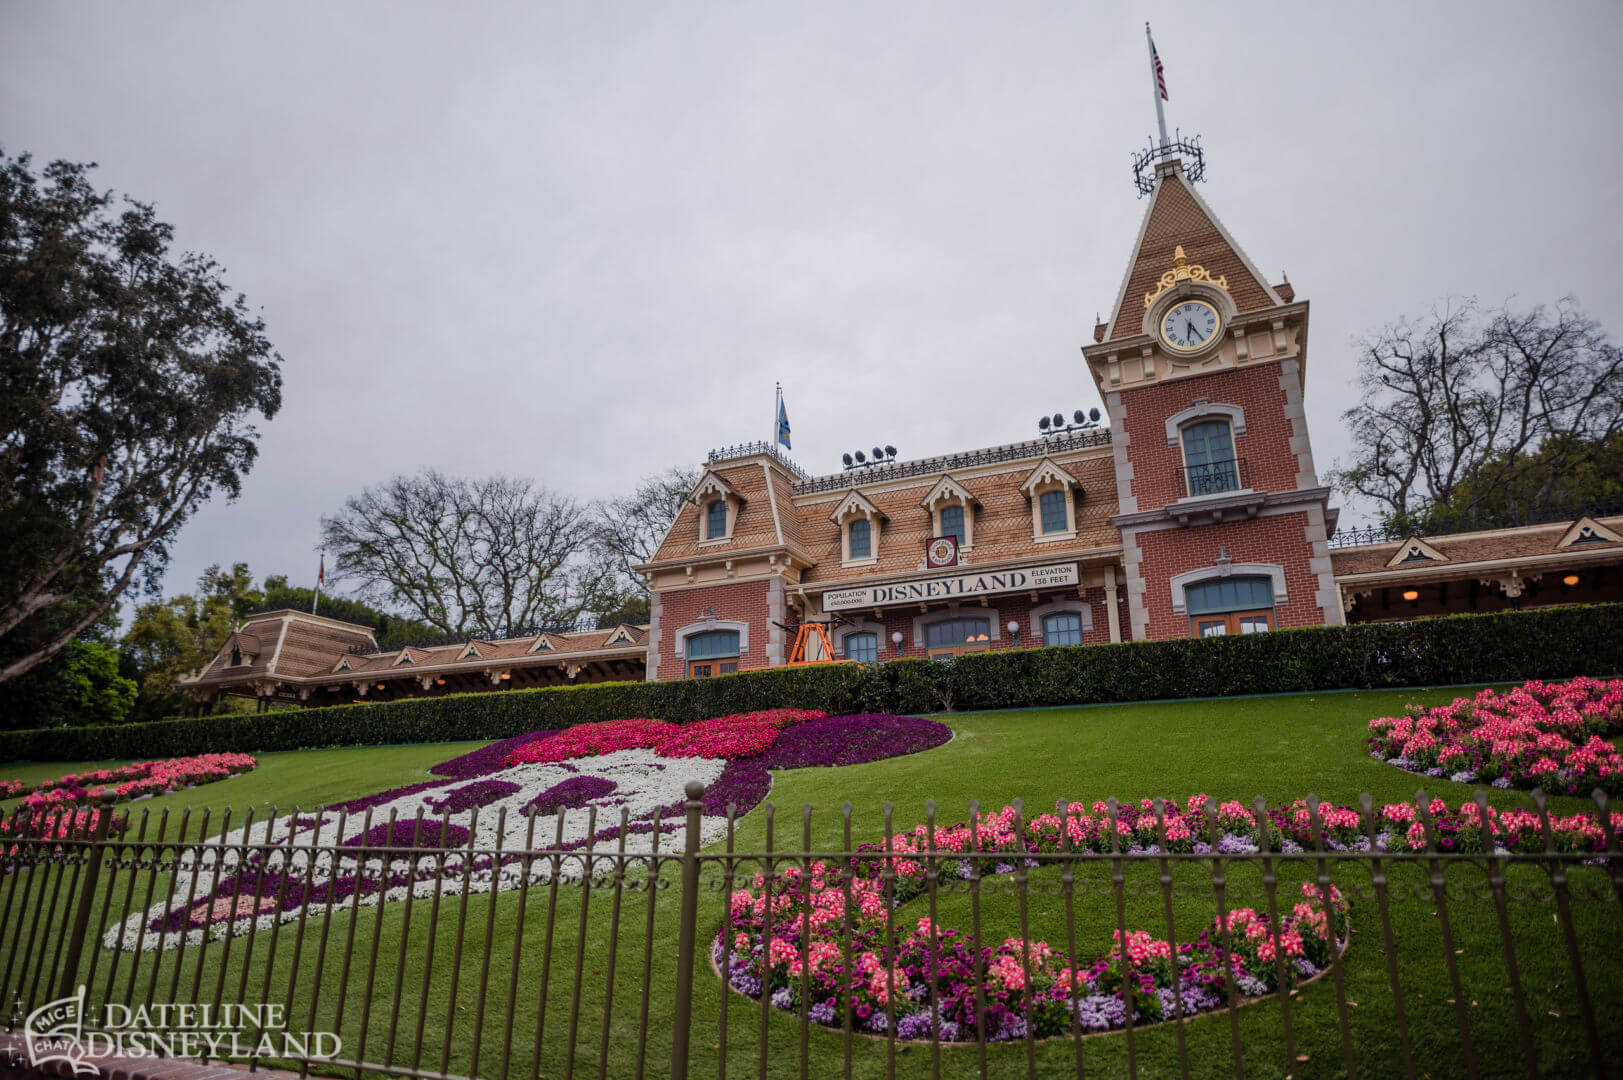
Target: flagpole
<point>322,573</point>
<point>777,413</point>
<point>1155,87</point>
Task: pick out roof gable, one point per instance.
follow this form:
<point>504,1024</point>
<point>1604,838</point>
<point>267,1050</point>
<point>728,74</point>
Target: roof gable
<point>713,484</point>
<point>950,491</point>
<point>622,636</point>
<point>855,504</point>
<point>1586,531</point>
<point>1178,217</point>
<point>1048,471</point>
<point>1415,550</point>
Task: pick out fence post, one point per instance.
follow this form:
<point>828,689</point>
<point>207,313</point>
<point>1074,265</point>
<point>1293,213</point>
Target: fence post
<point>87,894</point>
<point>683,1016</point>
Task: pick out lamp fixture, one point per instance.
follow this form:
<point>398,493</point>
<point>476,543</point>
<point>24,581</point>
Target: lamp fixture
<point>439,682</point>
<point>380,686</point>
<point>506,675</point>
<point>1411,594</point>
<point>1570,579</point>
<point>1080,421</point>
<point>857,459</point>
<point>896,640</point>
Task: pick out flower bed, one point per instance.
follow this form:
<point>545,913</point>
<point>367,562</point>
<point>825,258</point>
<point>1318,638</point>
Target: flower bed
<point>1539,735</point>
<point>621,783</point>
<point>739,735</point>
<point>139,780</point>
<point>926,980</point>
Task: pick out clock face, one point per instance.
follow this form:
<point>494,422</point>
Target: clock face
<point>1189,325</point>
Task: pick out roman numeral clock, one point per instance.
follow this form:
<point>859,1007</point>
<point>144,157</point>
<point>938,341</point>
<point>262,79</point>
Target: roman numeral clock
<point>1190,325</point>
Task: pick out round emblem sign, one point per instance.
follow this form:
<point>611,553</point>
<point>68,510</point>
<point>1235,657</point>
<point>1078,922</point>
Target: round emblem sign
<point>942,551</point>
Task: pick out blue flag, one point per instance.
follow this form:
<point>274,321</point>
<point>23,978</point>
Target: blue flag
<point>783,425</point>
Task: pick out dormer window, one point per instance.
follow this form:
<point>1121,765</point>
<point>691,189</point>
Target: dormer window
<point>952,512</point>
<point>859,521</point>
<point>719,503</point>
<point>859,544</point>
<point>236,656</point>
<point>1052,492</point>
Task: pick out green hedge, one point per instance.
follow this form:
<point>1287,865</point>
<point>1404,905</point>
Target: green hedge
<point>1544,643</point>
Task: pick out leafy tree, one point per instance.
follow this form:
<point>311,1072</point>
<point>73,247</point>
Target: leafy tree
<point>81,685</point>
<point>129,379</point>
<point>1467,413</point>
<point>168,638</point>
<point>469,557</point>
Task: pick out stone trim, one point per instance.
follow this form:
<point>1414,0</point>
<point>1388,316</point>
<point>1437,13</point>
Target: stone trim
<point>1290,381</point>
<point>777,614</point>
<point>1179,582</point>
<point>1138,612</point>
<point>1054,607</point>
<point>1328,594</point>
<point>861,626</point>
<point>1203,409</point>
<point>1126,501</point>
<point>656,608</point>
<point>680,638</point>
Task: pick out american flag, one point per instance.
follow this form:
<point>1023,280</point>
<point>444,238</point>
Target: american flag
<point>1160,73</point>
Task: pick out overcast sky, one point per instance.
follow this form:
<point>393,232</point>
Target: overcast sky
<point>579,242</point>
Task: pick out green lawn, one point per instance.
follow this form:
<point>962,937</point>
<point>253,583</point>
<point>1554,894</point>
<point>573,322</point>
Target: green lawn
<point>1279,747</point>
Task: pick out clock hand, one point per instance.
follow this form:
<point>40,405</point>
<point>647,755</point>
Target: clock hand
<point>1191,327</point>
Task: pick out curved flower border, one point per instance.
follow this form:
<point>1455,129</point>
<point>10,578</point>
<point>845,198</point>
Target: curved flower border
<point>786,937</point>
<point>1538,735</point>
<point>468,829</point>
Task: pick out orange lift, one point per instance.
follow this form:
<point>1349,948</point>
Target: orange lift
<point>812,645</point>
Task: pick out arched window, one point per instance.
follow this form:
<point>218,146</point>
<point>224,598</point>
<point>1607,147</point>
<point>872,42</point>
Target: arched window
<point>1051,505</point>
<point>863,647</point>
<point>1209,465</point>
<point>1062,628</point>
<point>713,652</point>
<point>964,634</point>
<point>861,539</point>
<point>952,523</point>
<point>236,656</point>
<point>715,519</point>
<point>1231,605</point>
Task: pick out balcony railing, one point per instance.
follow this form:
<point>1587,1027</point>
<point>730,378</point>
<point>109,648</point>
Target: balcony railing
<point>1212,478</point>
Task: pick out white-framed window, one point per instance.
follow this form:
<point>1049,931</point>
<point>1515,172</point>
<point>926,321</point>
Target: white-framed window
<point>1209,464</point>
<point>1051,510</point>
<point>961,632</point>
<point>715,519</point>
<point>952,524</point>
<point>859,539</point>
<point>1062,628</point>
<point>862,647</point>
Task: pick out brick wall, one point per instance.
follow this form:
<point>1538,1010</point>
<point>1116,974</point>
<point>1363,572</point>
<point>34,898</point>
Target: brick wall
<point>1270,463</point>
<point>742,601</point>
<point>1001,609</point>
<point>1280,539</point>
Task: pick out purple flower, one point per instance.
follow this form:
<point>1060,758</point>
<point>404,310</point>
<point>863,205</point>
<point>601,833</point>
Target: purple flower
<point>577,791</point>
<point>356,807</point>
<point>823,1012</point>
<point>486,759</point>
<point>407,833</point>
<point>916,1026</point>
<point>469,796</point>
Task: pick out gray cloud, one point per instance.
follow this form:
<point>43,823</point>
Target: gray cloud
<point>580,242</point>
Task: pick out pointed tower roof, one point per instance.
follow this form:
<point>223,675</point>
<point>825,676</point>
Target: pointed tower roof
<point>1178,216</point>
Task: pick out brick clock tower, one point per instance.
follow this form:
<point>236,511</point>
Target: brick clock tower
<point>1224,523</point>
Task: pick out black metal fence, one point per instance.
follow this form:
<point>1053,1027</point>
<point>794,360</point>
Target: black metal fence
<point>431,959</point>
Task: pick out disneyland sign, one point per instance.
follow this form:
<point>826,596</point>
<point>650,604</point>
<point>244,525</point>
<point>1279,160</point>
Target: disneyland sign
<point>953,587</point>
